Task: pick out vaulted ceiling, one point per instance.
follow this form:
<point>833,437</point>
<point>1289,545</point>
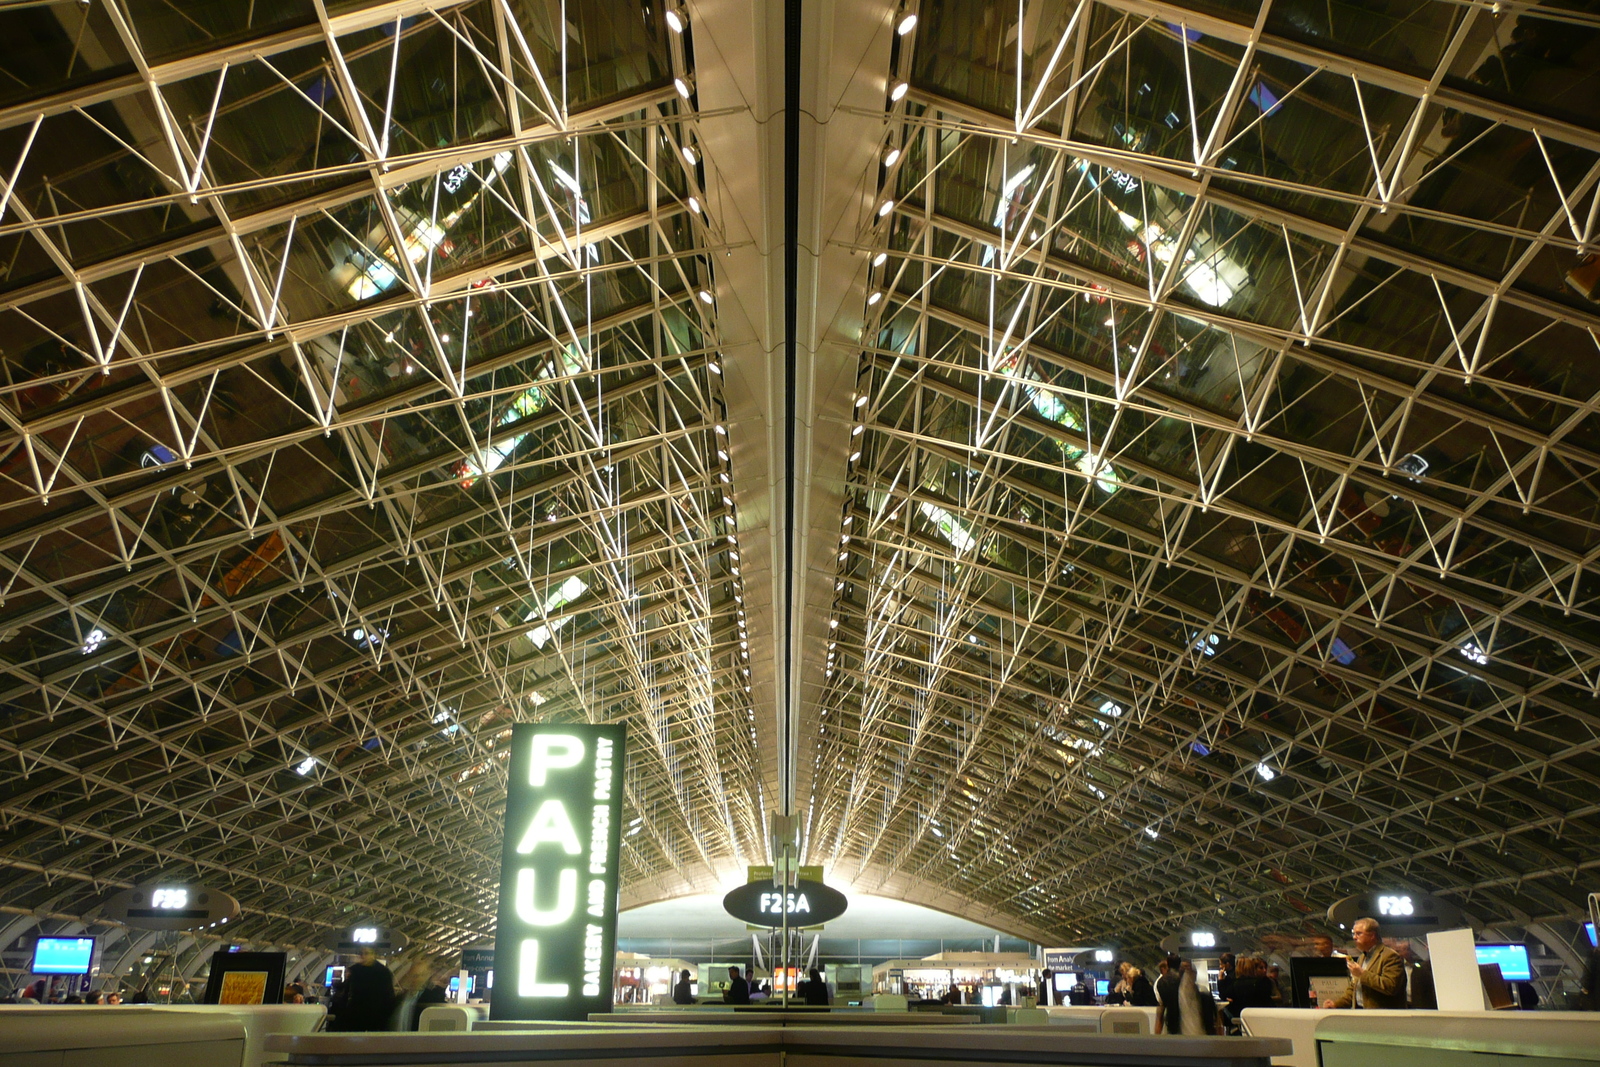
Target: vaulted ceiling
<point>1100,465</point>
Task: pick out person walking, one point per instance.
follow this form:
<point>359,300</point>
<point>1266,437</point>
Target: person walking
<point>367,999</point>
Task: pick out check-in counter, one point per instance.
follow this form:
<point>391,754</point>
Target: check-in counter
<point>1112,1019</point>
<point>451,1018</point>
<point>1324,1038</point>
<point>626,1045</point>
<point>259,1020</point>
<point>94,1036</point>
<point>779,1016</point>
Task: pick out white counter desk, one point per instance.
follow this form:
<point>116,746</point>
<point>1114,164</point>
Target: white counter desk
<point>1325,1038</point>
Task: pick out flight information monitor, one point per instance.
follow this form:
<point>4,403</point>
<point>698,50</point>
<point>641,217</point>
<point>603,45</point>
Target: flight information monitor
<point>1103,987</point>
<point>63,955</point>
<point>1513,961</point>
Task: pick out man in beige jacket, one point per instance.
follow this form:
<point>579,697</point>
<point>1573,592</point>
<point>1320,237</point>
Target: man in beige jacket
<point>1377,973</point>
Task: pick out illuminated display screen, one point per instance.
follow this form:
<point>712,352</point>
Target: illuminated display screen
<point>63,955</point>
<point>1513,961</point>
<point>1594,939</point>
<point>557,933</point>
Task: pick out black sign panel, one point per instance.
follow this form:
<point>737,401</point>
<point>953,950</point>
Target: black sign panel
<point>173,906</point>
<point>1399,912</point>
<point>807,903</point>
<point>556,941</point>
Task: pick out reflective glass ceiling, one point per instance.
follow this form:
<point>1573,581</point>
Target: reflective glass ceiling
<point>1219,518</point>
<point>363,396</point>
<point>1220,513</point>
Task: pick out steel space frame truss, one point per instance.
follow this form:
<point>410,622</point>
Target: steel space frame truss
<point>1113,688</point>
<point>366,779</point>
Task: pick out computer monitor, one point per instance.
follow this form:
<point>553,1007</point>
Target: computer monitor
<point>1513,961</point>
<point>1102,987</point>
<point>332,975</point>
<point>63,955</point>
<point>1065,981</point>
<point>1594,937</point>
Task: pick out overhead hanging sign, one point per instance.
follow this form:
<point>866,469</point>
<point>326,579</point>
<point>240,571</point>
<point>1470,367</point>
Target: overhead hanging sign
<point>806,903</point>
<point>171,906</point>
<point>352,940</point>
<point>1203,944</point>
<point>1400,912</point>
<point>556,942</point>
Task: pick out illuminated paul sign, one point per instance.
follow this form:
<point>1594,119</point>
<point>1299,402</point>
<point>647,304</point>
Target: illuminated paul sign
<point>556,939</point>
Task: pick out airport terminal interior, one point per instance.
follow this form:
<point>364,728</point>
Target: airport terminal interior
<point>1077,481</point>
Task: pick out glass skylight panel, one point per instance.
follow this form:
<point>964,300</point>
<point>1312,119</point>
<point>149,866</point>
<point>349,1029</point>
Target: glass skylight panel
<point>953,529</point>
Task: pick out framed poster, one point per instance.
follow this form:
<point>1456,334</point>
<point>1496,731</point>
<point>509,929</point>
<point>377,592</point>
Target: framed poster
<point>1312,978</point>
<point>246,978</point>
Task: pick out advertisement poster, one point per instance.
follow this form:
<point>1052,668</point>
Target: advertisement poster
<point>244,987</point>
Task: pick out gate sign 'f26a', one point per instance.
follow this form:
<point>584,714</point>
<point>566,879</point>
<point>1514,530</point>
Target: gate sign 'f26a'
<point>807,904</point>
<point>557,935</point>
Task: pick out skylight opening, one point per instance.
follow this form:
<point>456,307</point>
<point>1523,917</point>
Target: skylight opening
<point>954,530</point>
<point>570,590</point>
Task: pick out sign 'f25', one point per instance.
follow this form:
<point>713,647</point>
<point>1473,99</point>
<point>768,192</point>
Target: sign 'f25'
<point>557,935</point>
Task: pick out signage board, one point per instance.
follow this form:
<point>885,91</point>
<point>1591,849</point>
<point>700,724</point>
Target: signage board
<point>763,873</point>
<point>170,906</point>
<point>351,940</point>
<point>1059,959</point>
<point>1200,944</point>
<point>806,903</point>
<point>1400,912</point>
<point>555,946</point>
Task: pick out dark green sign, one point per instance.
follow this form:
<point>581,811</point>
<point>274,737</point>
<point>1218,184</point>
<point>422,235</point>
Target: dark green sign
<point>557,934</point>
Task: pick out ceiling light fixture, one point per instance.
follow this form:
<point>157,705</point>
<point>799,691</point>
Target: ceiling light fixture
<point>676,21</point>
<point>891,157</point>
<point>888,206</point>
<point>898,92</point>
<point>907,24</point>
<point>682,87</point>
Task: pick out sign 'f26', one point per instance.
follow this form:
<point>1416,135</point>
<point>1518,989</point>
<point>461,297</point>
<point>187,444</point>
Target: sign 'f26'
<point>557,935</point>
